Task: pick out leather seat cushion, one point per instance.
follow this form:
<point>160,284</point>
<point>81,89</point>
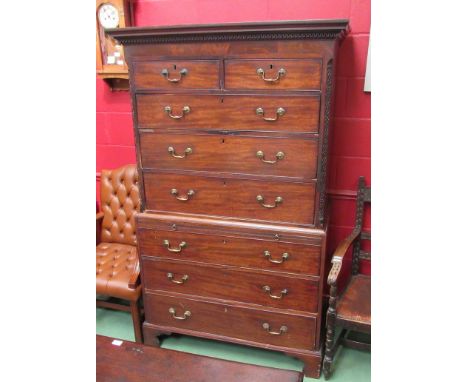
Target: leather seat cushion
<point>114,267</point>
<point>355,302</point>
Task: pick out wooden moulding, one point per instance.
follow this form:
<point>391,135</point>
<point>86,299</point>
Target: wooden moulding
<point>283,30</point>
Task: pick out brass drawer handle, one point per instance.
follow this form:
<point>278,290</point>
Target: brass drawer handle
<point>175,192</point>
<point>185,110</point>
<point>182,72</point>
<point>278,200</point>
<point>187,151</point>
<point>281,73</point>
<point>182,245</point>
<point>186,315</point>
<point>261,155</point>
<point>284,257</point>
<point>279,112</point>
<point>184,278</point>
<point>282,330</point>
<point>267,289</point>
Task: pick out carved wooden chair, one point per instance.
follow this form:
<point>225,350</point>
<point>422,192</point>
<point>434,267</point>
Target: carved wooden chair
<point>117,264</point>
<point>352,309</point>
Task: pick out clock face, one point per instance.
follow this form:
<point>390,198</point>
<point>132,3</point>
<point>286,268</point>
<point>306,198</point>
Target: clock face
<point>108,16</point>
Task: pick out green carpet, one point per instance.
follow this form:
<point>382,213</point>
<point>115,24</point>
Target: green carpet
<point>350,366</point>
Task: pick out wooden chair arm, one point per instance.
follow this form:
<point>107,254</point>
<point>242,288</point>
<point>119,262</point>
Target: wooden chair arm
<point>337,259</point>
<point>133,282</point>
<point>99,218</point>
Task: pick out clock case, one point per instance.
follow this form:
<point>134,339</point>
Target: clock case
<point>116,76</point>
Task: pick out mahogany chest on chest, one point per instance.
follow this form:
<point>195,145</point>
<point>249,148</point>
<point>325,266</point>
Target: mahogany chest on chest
<point>231,126</point>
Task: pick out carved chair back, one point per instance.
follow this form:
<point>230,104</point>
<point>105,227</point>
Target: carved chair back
<point>363,199</point>
<point>119,202</point>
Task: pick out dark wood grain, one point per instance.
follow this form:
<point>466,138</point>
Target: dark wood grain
<point>228,250</point>
<point>223,223</point>
<point>300,74</point>
<point>228,283</point>
<point>275,231</point>
<point>231,154</point>
<point>229,112</point>
<point>231,320</point>
<point>231,197</point>
<point>201,74</point>
<point>132,362</point>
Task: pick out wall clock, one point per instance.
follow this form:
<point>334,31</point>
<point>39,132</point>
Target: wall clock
<point>110,60</point>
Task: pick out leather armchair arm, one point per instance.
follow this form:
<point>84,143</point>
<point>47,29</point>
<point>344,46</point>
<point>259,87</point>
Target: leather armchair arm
<point>337,259</point>
<point>99,217</point>
<point>133,282</point>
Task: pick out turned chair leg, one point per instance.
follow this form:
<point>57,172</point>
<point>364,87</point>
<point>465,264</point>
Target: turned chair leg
<point>329,341</point>
<point>328,359</point>
<point>136,318</point>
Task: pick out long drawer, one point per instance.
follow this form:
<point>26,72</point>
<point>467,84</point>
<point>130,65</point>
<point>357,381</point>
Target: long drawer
<point>227,283</point>
<point>273,74</point>
<point>228,250</point>
<point>296,331</point>
<point>240,198</point>
<point>244,155</point>
<point>229,112</point>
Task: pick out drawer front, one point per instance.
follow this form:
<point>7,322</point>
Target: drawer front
<point>176,74</point>
<point>229,112</point>
<point>244,155</point>
<point>237,198</point>
<point>226,250</point>
<point>231,321</point>
<point>227,283</point>
<point>273,74</point>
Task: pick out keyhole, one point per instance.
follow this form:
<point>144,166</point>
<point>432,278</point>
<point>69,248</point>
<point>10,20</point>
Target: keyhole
<point>222,140</point>
<point>175,67</point>
<point>222,100</point>
<point>271,66</point>
<point>224,183</point>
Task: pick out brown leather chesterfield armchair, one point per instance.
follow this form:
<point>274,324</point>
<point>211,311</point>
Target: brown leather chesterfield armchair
<point>117,265</point>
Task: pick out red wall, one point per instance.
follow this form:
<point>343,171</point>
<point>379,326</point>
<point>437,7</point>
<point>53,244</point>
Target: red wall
<point>350,146</point>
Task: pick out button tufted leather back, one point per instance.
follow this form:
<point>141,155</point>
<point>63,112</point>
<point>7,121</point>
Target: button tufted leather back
<point>120,202</point>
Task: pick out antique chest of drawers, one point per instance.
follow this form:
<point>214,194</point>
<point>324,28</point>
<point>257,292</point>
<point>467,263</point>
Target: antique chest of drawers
<point>231,125</point>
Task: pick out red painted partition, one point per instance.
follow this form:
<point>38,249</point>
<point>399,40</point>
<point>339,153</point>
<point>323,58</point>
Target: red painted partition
<point>350,143</point>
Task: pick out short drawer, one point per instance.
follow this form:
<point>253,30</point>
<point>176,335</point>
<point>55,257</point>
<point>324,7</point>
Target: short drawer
<point>228,250</point>
<point>227,283</point>
<point>172,75</point>
<point>229,112</point>
<point>296,331</point>
<point>243,155</point>
<point>239,198</point>
<point>273,74</point>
